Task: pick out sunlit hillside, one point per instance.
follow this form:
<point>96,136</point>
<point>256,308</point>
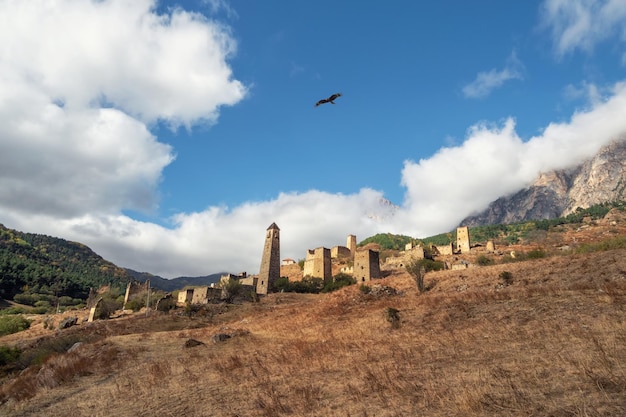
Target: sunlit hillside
<point>538,337</point>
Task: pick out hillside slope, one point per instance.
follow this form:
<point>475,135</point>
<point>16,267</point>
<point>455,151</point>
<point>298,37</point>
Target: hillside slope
<point>52,265</point>
<point>550,340</point>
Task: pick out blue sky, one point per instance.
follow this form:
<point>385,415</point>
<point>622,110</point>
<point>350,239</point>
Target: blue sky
<point>171,142</point>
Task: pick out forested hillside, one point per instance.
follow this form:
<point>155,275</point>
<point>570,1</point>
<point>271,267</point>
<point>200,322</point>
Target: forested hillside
<point>39,264</point>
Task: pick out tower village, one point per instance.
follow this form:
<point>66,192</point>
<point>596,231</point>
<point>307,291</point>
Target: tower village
<point>363,264</point>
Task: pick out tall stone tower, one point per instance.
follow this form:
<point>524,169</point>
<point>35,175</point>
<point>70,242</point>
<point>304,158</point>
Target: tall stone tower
<point>351,244</point>
<point>270,262</point>
<point>463,239</point>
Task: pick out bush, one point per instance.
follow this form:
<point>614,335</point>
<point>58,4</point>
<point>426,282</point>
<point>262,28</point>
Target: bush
<point>393,317</point>
<point>417,268</point>
<point>165,303</point>
<point>308,285</point>
<point>364,289</point>
<point>12,310</point>
<point>192,309</point>
<point>9,355</point>
<point>43,304</point>
<point>483,260</point>
<point>106,308</point>
<point>282,284</point>
<point>339,281</point>
<point>536,254</point>
<point>231,290</point>
<point>136,304</point>
<point>13,324</point>
<point>506,277</point>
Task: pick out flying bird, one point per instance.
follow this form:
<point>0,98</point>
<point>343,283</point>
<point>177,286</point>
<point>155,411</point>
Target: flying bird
<point>330,99</point>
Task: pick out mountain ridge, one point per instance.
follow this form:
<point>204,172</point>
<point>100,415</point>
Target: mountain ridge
<point>599,179</point>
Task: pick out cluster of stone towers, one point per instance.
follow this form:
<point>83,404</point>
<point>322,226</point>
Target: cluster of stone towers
<point>318,262</point>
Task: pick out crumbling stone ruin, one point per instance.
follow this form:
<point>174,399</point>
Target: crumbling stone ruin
<point>133,288</point>
<point>340,252</point>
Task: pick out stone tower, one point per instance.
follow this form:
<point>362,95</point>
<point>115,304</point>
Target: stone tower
<point>318,264</point>
<point>463,239</point>
<point>270,262</point>
<point>366,266</point>
<point>351,244</point>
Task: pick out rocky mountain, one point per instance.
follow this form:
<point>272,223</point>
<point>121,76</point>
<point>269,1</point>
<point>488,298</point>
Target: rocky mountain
<point>555,194</point>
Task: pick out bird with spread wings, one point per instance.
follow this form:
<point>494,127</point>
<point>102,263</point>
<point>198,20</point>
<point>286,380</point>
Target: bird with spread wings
<point>330,99</point>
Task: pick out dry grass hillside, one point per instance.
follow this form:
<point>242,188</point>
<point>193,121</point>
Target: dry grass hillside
<point>549,341</point>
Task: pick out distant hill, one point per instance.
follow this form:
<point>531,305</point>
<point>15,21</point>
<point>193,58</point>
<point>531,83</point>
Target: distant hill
<point>174,283</point>
<point>601,179</point>
<point>39,264</point>
<point>43,264</point>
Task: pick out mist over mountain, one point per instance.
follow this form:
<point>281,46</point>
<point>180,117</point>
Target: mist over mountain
<point>554,194</point>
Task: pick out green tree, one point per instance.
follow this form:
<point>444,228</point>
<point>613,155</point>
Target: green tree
<point>416,269</point>
<point>230,289</point>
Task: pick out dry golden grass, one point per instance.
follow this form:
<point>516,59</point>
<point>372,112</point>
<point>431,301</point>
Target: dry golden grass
<point>552,343</point>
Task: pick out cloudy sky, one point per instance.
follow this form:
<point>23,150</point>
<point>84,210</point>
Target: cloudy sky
<point>168,136</point>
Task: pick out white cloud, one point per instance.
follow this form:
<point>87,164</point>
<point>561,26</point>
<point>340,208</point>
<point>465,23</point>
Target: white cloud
<point>154,67</point>
<point>586,91</point>
<point>76,98</point>
<point>486,82</point>
<point>494,161</point>
<point>581,24</point>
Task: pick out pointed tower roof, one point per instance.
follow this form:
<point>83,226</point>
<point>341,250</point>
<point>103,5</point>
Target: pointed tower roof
<point>273,226</point>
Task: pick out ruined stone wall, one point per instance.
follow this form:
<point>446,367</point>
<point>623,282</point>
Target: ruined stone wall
<point>444,250</point>
<point>405,257</point>
<point>366,266</point>
<point>293,272</point>
<point>185,296</point>
<point>134,288</point>
<point>200,295</point>
<point>340,252</point>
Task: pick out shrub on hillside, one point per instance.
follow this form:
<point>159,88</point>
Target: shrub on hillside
<point>392,315</point>
<point>506,277</point>
<point>483,260</point>
<point>13,324</point>
<point>136,304</point>
<point>339,281</point>
<point>536,254</point>
<point>8,355</point>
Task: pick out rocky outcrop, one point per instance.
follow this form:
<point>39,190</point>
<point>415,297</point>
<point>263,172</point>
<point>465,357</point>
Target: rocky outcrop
<point>558,193</point>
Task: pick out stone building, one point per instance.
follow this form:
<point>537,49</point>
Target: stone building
<point>366,266</point>
<point>317,264</point>
<point>463,239</point>
<point>270,262</point>
<point>198,295</point>
<point>340,252</point>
